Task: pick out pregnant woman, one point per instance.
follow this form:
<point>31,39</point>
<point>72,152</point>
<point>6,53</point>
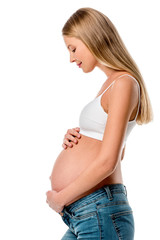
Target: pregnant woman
<point>87,184</point>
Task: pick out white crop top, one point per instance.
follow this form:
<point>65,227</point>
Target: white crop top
<point>93,118</point>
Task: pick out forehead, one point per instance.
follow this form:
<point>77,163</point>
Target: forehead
<point>71,41</point>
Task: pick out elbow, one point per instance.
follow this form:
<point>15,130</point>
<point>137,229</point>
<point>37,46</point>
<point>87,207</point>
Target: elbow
<point>107,167</point>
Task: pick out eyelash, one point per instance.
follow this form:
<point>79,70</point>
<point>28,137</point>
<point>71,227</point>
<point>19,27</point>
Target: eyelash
<point>73,50</point>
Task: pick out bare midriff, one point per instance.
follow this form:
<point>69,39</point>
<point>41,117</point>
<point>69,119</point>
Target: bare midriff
<point>72,161</point>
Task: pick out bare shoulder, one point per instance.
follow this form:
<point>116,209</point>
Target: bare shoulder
<point>125,82</point>
<point>127,87</point>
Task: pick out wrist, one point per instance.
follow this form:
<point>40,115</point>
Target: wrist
<point>60,199</point>
<point>67,194</point>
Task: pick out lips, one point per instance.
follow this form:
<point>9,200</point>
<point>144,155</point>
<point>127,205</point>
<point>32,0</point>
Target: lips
<point>79,64</point>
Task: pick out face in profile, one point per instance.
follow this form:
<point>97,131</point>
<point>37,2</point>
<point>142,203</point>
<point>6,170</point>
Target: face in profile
<point>80,54</point>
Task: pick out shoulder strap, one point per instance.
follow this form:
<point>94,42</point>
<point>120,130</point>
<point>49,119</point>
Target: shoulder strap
<point>107,88</point>
<point>138,91</point>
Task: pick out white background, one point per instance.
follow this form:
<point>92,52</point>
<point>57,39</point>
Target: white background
<point>41,96</point>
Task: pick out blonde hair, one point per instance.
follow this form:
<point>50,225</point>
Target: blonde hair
<point>99,34</point>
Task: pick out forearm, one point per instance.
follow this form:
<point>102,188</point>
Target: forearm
<point>89,178</point>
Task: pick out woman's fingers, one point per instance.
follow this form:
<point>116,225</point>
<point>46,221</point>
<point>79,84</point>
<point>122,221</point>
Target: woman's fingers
<point>70,137</point>
<point>64,146</point>
<point>74,132</point>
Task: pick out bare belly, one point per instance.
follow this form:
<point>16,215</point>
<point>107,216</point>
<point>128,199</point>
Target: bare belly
<point>72,161</point>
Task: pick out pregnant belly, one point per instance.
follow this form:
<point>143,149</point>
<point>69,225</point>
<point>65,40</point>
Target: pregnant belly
<point>72,161</point>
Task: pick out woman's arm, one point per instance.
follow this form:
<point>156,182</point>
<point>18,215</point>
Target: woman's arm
<point>90,177</point>
<point>94,174</point>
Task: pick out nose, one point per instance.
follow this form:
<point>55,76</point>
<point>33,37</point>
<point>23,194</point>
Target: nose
<point>72,59</point>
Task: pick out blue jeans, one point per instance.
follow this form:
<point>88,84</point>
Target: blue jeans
<point>103,214</point>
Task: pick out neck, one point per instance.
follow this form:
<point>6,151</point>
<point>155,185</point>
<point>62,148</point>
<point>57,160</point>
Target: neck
<point>109,72</point>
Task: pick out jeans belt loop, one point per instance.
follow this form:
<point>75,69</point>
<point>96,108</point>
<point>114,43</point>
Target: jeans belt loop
<point>125,190</point>
<point>108,191</point>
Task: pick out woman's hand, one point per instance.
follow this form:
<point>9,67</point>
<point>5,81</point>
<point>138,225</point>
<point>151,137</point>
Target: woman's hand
<point>70,136</point>
<point>53,202</point>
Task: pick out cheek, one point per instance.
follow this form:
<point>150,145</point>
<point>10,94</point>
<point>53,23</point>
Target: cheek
<point>89,65</point>
<point>91,61</point>
<point>79,54</point>
<point>91,58</point>
<point>88,60</point>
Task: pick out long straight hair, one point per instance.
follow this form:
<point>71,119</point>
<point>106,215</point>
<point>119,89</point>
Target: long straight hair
<point>101,37</point>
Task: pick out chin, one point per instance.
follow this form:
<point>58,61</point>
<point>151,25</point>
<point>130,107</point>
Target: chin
<point>88,70</point>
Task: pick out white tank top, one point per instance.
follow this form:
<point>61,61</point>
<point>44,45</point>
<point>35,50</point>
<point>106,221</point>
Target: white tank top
<point>93,118</point>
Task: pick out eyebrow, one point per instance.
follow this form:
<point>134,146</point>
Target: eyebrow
<point>68,46</point>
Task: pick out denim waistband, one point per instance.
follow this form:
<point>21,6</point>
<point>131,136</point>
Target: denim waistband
<point>106,189</point>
